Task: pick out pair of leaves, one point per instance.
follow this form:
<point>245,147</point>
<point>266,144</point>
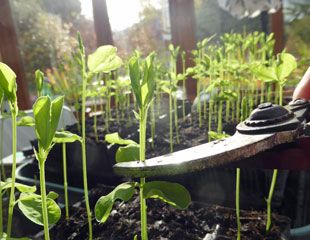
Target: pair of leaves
<point>59,137</point>
<point>129,152</point>
<point>31,206</point>
<point>217,136</point>
<point>46,115</point>
<point>142,80</point>
<point>281,69</point>
<point>172,193</point>
<point>8,82</point>
<point>104,59</point>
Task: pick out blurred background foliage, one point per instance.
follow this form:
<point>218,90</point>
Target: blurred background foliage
<point>47,31</point>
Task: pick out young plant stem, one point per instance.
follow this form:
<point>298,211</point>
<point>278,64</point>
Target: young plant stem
<point>153,123</point>
<point>238,203</point>
<point>12,193</point>
<point>84,163</point>
<point>219,123</point>
<point>269,199</point>
<point>3,177</point>
<point>95,121</point>
<point>143,207</point>
<point>227,110</point>
<point>210,117</point>
<point>176,118</point>
<point>64,162</point>
<point>199,103</point>
<point>43,197</point>
<point>170,123</point>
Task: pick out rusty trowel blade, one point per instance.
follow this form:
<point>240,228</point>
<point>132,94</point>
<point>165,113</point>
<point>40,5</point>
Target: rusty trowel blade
<point>213,154</point>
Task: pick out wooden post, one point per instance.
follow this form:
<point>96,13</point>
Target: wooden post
<point>10,53</point>
<point>182,21</point>
<point>277,27</point>
<point>102,23</point>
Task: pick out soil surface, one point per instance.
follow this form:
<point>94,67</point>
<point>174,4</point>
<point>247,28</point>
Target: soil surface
<point>164,222</point>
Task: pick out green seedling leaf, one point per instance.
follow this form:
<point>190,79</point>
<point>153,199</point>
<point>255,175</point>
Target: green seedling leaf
<point>116,139</point>
<point>287,64</point>
<point>172,193</point>
<point>104,205</point>
<point>104,59</point>
<point>135,78</point>
<point>217,136</point>
<point>66,137</point>
<point>42,116</point>
<point>267,74</point>
<point>148,83</point>
<point>26,121</point>
<point>137,115</point>
<point>20,187</point>
<point>52,195</point>
<point>8,82</point>
<point>128,153</point>
<point>31,206</point>
<point>39,80</point>
<point>56,109</point>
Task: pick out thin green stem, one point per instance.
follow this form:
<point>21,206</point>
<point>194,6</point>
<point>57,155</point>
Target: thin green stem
<point>199,103</point>
<point>170,123</point>
<point>64,162</point>
<point>238,204</point>
<point>219,114</point>
<point>3,177</point>
<point>43,197</point>
<point>84,163</point>
<point>143,206</point>
<point>12,193</point>
<point>95,121</point>
<point>176,119</point>
<point>269,199</point>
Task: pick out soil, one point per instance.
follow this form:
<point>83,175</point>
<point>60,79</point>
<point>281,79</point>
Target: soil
<point>165,222</point>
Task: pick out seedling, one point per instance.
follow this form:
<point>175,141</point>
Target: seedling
<point>103,60</point>
<point>8,86</point>
<point>143,85</point>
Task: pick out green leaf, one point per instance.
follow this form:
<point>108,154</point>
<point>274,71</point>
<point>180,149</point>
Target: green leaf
<point>104,205</point>
<point>267,74</point>
<point>287,65</point>
<point>31,206</point>
<point>128,153</point>
<point>66,137</point>
<point>149,81</point>
<point>42,115</point>
<point>56,109</point>
<point>52,195</point>
<point>217,136</point>
<point>135,78</point>
<point>172,193</point>
<point>8,82</point>
<point>26,121</point>
<point>20,187</point>
<point>39,80</point>
<point>116,139</point>
<point>104,59</point>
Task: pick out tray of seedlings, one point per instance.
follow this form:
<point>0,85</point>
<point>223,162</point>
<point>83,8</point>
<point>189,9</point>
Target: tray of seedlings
<point>139,112</point>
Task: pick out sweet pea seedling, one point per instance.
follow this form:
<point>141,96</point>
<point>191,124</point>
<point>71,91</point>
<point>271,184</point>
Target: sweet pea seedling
<point>142,81</point>
<point>103,60</point>
<point>8,86</point>
<point>46,115</point>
